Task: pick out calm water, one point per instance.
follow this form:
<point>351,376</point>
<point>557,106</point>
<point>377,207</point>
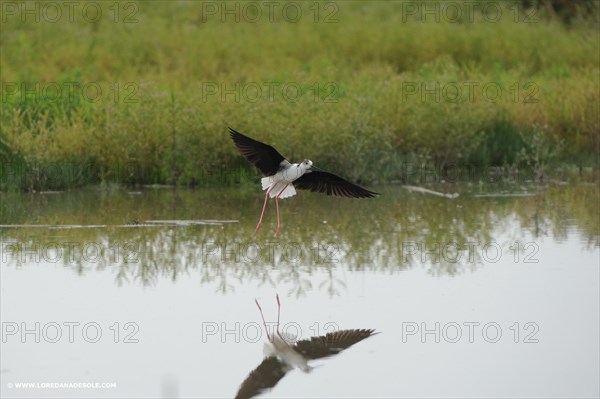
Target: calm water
<point>493,293</point>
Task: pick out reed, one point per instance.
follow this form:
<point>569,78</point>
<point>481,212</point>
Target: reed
<point>373,85</point>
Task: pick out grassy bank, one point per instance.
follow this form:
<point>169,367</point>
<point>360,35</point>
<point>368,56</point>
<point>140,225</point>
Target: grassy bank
<point>144,93</point>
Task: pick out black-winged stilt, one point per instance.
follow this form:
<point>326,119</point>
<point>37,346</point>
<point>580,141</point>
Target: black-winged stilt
<point>283,354</point>
<point>282,177</point>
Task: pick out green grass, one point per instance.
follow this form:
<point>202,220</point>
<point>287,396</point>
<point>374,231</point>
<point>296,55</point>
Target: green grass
<point>156,123</point>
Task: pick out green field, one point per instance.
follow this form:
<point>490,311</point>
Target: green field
<point>144,92</point>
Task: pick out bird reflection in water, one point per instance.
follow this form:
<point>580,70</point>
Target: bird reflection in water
<point>283,354</point>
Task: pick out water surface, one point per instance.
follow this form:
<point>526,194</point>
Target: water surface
<point>492,293</point>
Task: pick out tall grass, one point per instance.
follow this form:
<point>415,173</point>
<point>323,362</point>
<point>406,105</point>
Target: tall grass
<point>362,108</point>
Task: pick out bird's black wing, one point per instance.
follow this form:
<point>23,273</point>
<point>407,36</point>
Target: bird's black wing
<point>265,376</point>
<point>330,184</point>
<point>331,343</point>
<point>263,156</point>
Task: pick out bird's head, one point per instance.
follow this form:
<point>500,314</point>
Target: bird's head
<point>306,164</point>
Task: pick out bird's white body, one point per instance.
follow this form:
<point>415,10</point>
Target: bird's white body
<point>280,184</point>
<point>284,351</point>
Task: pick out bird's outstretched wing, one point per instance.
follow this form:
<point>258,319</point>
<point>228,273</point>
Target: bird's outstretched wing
<point>331,343</point>
<point>263,156</point>
<point>330,184</point>
<point>265,376</point>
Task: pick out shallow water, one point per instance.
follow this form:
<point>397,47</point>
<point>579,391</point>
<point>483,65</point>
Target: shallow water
<point>492,293</point>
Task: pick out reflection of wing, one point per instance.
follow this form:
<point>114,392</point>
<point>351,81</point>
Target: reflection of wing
<point>330,184</point>
<point>263,156</point>
<point>265,376</point>
<point>331,343</point>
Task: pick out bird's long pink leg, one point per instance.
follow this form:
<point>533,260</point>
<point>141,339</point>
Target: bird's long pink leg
<point>277,206</point>
<point>263,209</point>
<point>278,314</point>
<point>263,319</point>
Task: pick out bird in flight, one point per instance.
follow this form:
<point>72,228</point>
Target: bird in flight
<point>282,178</point>
<point>283,354</point>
